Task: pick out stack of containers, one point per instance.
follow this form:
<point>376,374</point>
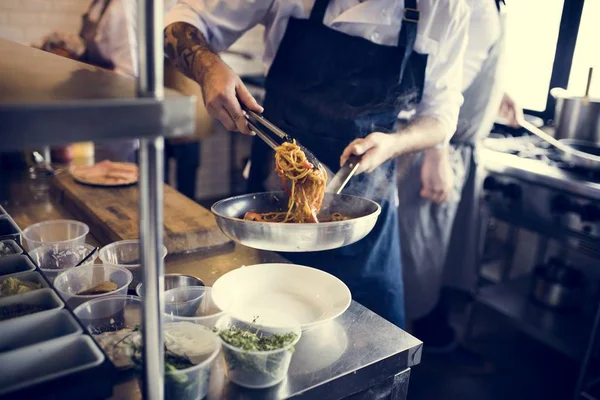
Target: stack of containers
<point>44,346</point>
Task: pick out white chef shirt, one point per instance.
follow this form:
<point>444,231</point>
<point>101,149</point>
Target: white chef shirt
<point>442,34</point>
<point>484,31</point>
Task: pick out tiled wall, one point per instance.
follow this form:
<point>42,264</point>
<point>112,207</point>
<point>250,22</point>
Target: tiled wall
<point>26,21</point>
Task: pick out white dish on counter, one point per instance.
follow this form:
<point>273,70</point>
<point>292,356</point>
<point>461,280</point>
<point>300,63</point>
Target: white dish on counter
<point>308,295</point>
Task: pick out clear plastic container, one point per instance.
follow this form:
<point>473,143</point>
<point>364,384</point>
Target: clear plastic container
<point>125,253</point>
<point>56,258</point>
<point>55,232</point>
<point>107,314</point>
<point>191,383</point>
<point>75,280</point>
<point>258,369</point>
<point>173,281</point>
<point>207,313</point>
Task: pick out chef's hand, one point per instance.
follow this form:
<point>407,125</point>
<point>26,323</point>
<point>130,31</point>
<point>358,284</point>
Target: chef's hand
<point>437,177</point>
<point>223,91</point>
<point>510,111</point>
<point>374,150</point>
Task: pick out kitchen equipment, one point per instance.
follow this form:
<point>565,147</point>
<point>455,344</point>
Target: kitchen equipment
<point>272,135</point>
<point>558,286</point>
<point>308,295</point>
<point>126,254</point>
<point>89,257</point>
<point>33,277</point>
<point>293,237</point>
<point>207,313</point>
<point>575,152</point>
<point>75,280</point>
<point>59,231</point>
<point>13,265</point>
<point>341,178</point>
<point>577,117</point>
<point>57,258</point>
<point>258,369</point>
<point>184,301</point>
<point>113,215</point>
<point>192,382</point>
<point>173,281</point>
<point>112,313</point>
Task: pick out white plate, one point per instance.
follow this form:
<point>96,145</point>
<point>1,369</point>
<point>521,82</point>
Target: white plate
<point>308,295</point>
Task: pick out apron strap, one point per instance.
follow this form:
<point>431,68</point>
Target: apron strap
<point>318,11</point>
<point>408,31</point>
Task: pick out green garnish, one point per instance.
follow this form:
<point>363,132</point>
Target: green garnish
<point>250,341</point>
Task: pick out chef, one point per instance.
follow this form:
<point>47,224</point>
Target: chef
<point>339,73</point>
<point>433,184</point>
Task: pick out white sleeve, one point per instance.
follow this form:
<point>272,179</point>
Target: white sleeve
<point>442,94</point>
<point>484,31</point>
<point>119,33</point>
<point>221,22</point>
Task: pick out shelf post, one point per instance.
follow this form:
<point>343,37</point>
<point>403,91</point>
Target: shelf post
<point>150,84</point>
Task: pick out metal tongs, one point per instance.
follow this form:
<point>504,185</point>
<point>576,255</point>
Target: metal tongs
<point>271,135</point>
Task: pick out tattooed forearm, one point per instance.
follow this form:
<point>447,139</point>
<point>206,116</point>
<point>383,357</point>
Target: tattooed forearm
<point>188,50</point>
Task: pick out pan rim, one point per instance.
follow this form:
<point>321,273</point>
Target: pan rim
<point>375,213</point>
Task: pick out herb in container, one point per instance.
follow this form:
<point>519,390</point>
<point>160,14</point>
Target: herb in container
<point>257,356</point>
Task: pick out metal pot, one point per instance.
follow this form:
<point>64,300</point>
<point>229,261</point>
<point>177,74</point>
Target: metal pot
<point>557,286</point>
<point>576,117</point>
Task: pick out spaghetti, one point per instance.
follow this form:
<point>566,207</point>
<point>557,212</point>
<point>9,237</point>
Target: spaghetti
<point>304,184</point>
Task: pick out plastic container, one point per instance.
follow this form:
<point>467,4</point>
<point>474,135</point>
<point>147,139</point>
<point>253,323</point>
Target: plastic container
<point>9,248</point>
<point>45,300</point>
<point>8,229</point>
<point>31,276</point>
<point>191,383</point>
<point>13,265</point>
<point>173,281</point>
<point>125,253</point>
<point>107,314</point>
<point>47,361</point>
<point>75,280</point>
<point>258,369</point>
<point>36,328</point>
<point>206,314</point>
<point>57,258</point>
<point>55,232</point>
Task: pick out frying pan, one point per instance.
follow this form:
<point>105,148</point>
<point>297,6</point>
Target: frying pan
<point>578,153</point>
<point>293,237</point>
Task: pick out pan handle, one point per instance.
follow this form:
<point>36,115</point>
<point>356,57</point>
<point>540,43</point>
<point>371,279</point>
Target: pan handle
<point>557,143</point>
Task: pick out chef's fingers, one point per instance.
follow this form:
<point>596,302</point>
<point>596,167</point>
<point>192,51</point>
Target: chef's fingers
<point>223,116</point>
<point>357,147</point>
<point>234,109</point>
<point>246,97</point>
<point>369,161</point>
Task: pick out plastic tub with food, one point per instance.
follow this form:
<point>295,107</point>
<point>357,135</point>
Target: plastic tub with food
<point>172,281</point>
<point>81,284</point>
<point>126,253</point>
<point>23,282</point>
<point>255,356</point>
<point>53,232</point>
<point>57,258</point>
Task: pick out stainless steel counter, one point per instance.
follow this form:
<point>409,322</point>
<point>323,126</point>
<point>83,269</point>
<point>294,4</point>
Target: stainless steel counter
<point>357,353</point>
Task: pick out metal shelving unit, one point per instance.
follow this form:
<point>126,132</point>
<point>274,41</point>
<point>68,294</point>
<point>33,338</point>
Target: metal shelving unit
<point>46,100</point>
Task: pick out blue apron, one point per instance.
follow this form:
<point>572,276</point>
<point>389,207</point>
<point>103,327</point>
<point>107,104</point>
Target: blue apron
<point>327,88</point>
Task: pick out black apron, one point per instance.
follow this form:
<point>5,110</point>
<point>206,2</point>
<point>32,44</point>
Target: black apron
<point>327,88</point>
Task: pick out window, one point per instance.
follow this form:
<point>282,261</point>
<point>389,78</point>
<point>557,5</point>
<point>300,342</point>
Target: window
<point>532,29</point>
<point>586,51</point>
